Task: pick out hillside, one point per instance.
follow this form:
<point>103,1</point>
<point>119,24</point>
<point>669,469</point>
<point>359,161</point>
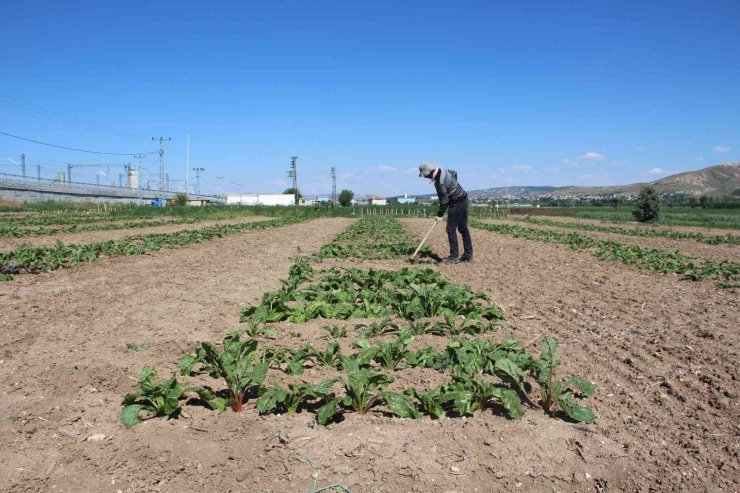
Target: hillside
<point>722,179</point>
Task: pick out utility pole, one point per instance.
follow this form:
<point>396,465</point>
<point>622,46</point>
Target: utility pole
<point>197,179</point>
<point>187,171</point>
<point>162,140</point>
<point>293,173</point>
<point>333,185</point>
<point>23,164</point>
<point>38,172</point>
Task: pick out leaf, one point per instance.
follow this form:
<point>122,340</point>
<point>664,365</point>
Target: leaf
<point>146,381</point>
<point>508,371</point>
<point>325,412</point>
<point>510,400</point>
<point>575,412</point>
<point>269,400</point>
<point>587,388</point>
<point>294,367</point>
<point>400,405</point>
<point>186,364</point>
<point>130,415</point>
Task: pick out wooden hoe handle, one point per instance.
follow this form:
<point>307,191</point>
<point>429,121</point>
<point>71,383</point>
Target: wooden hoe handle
<point>424,239</point>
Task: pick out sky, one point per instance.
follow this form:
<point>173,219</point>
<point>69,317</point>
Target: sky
<point>505,93</point>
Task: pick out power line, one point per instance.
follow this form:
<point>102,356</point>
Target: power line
<point>76,150</point>
<point>55,117</point>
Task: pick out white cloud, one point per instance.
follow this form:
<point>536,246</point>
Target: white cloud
<point>721,149</point>
<point>521,167</point>
<point>569,162</point>
<point>593,156</point>
<point>552,170</point>
<point>384,167</point>
<point>658,171</point>
<point>696,159</point>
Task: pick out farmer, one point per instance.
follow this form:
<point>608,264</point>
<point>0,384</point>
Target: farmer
<point>453,197</point>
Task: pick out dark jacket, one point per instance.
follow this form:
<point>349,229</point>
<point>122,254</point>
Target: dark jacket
<point>449,190</point>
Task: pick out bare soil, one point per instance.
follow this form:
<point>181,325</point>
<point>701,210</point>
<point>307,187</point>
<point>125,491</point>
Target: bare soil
<point>83,237</point>
<point>663,351</point>
<point>635,225</point>
<point>687,247</point>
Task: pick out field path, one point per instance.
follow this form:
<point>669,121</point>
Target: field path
<point>83,237</point>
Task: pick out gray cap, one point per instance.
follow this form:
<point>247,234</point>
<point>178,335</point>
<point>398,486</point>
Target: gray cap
<point>425,169</point>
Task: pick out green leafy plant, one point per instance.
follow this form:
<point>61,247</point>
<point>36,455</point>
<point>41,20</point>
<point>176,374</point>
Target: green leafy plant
<point>561,394</point>
<point>432,402</point>
<point>388,354</point>
<point>363,387</point>
<point>239,365</point>
<point>331,356</point>
<point>277,399</point>
<point>337,331</point>
<point>157,399</point>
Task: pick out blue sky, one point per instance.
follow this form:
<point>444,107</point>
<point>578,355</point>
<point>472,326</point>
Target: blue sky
<point>506,93</point>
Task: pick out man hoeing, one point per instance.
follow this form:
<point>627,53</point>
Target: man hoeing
<point>452,197</point>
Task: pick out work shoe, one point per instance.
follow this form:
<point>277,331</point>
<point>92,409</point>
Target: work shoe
<point>452,259</point>
<point>466,258</point>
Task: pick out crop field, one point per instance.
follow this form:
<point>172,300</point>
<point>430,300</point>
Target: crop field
<point>262,352</point>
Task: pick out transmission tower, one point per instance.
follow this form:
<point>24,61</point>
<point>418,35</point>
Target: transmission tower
<point>197,179</point>
<point>293,173</point>
<point>333,185</point>
<point>162,140</point>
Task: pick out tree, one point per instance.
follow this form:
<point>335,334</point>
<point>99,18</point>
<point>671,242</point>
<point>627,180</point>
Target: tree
<point>647,206</point>
<point>693,203</point>
<point>297,193</point>
<point>181,199</point>
<point>345,197</point>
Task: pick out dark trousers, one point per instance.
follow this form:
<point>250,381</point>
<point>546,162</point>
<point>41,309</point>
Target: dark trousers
<point>457,220</point>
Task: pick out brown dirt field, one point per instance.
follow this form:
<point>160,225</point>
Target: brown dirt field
<point>635,225</point>
<point>83,237</point>
<point>687,247</point>
<point>663,352</point>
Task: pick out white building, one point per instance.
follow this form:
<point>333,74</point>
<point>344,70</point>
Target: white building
<point>260,199</point>
<point>377,200</point>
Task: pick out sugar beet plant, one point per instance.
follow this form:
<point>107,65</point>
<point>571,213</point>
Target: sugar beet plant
<point>46,259</point>
<point>239,365</point>
<point>157,399</point>
<point>411,293</point>
<point>663,261</point>
<point>372,238</point>
<point>406,304</point>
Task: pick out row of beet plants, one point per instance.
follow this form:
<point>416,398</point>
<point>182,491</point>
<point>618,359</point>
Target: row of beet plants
<point>650,259</point>
<point>408,302</point>
<point>709,239</point>
<point>372,238</point>
<point>481,375</point>
<point>33,260</point>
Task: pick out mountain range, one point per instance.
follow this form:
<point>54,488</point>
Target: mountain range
<point>719,180</point>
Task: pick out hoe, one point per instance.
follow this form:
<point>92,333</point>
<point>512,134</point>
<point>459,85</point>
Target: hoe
<point>423,240</point>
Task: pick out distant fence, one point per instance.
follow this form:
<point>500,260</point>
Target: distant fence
<point>27,189</point>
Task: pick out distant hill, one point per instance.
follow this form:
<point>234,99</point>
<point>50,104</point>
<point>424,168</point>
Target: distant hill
<point>722,179</point>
